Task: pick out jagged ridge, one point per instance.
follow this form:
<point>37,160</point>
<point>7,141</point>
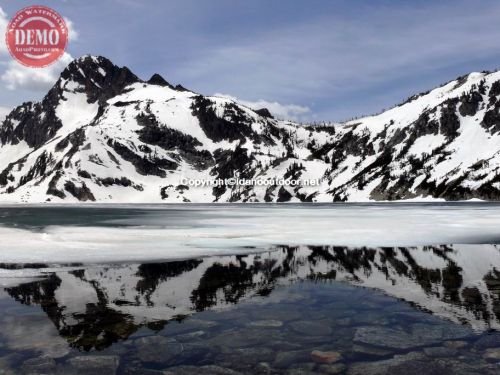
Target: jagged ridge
<point>103,134</point>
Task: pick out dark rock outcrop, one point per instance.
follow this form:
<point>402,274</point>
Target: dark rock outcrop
<point>264,112</point>
<point>158,80</point>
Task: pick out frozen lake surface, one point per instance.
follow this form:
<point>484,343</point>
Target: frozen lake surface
<point>116,233</point>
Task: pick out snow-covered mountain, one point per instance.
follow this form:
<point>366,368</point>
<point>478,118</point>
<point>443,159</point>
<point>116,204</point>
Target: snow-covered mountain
<point>102,134</point>
<point>458,282</point>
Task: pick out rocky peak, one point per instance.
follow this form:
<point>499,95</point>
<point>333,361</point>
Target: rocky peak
<point>36,123</point>
<point>99,78</point>
<point>264,112</point>
<point>158,80</point>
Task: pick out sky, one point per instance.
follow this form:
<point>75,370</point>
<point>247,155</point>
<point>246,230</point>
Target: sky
<point>307,60</point>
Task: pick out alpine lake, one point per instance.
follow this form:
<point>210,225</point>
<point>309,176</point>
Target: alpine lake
<point>217,289</point>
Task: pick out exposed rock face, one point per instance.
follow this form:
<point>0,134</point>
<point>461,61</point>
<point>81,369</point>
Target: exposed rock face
<point>97,77</point>
<point>157,79</point>
<point>264,112</point>
<point>100,124</point>
<point>33,123</point>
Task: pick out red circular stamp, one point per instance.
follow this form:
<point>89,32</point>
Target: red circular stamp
<point>36,36</point>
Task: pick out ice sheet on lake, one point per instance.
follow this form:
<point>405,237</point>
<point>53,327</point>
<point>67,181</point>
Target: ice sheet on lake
<point>178,231</point>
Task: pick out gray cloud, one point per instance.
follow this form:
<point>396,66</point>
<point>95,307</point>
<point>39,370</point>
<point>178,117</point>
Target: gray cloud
<point>4,111</point>
<point>18,77</point>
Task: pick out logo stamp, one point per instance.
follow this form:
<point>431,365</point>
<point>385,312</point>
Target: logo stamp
<point>36,36</point>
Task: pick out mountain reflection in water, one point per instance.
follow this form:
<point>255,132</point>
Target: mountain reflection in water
<point>94,307</point>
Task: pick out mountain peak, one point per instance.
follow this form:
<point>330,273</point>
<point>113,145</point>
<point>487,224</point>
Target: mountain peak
<point>85,65</point>
<point>158,80</point>
<point>100,78</point>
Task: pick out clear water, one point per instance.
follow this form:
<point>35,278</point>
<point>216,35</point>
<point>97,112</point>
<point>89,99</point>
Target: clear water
<point>286,309</point>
